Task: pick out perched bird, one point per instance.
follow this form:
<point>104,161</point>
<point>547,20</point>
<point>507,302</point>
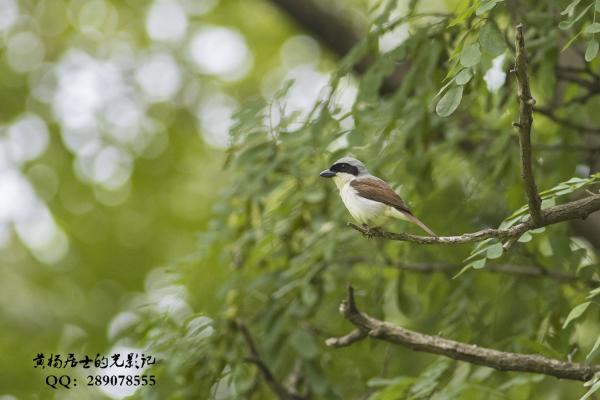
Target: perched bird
<point>369,200</point>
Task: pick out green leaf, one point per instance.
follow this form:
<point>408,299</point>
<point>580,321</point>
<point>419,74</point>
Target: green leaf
<point>309,295</point>
<point>477,264</point>
<point>304,344</point>
<point>355,137</point>
<point>491,40</point>
<point>495,251</point>
<point>383,382</point>
<point>548,202</point>
<point>592,390</point>
<point>526,237</point>
<point>395,390</point>
<point>592,50</point>
<point>593,293</point>
<point>480,248</point>
<point>594,348</point>
<point>463,77</point>
<point>570,8</point>
<point>449,102</point>
<point>485,7</point>
<point>519,380</point>
<point>428,381</point>
<point>597,7</point>
<point>510,221</point>
<point>462,16</point>
<point>443,89</point>
<point>569,23</point>
<point>570,41</point>
<point>470,55</point>
<point>593,28</point>
<point>576,313</point>
<point>316,378</point>
<point>576,179</point>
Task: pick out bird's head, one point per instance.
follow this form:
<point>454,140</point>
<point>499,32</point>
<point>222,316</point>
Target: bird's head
<point>344,170</point>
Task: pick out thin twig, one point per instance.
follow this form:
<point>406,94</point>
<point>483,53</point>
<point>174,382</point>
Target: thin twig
<point>585,83</point>
<point>346,340</point>
<point>500,360</point>
<point>509,269</point>
<point>549,113</point>
<point>281,392</point>
<point>567,147</point>
<point>575,70</point>
<point>526,103</point>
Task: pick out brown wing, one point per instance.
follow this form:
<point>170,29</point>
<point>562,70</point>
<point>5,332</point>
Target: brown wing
<point>375,189</point>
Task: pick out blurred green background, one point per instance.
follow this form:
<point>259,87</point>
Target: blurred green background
<point>159,177</point>
<point>114,116</point>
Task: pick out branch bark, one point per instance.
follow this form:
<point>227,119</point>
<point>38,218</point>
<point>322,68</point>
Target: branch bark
<point>526,103</point>
<point>346,340</point>
<point>578,209</point>
<point>500,360</point>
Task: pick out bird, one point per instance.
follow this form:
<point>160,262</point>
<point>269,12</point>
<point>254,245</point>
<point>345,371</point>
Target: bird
<point>369,199</point>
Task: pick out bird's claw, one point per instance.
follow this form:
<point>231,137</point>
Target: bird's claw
<point>370,232</point>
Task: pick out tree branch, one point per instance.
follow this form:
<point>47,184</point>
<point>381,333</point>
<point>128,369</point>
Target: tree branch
<point>592,86</point>
<point>549,113</point>
<point>346,340</point>
<point>567,147</point>
<point>338,34</point>
<point>578,209</point>
<point>500,360</point>
<point>281,392</point>
<point>519,270</point>
<point>526,103</point>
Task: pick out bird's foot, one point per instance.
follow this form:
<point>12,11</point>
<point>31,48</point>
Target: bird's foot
<point>371,232</point>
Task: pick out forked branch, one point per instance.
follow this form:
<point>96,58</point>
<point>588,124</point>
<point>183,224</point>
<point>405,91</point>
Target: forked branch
<point>500,360</point>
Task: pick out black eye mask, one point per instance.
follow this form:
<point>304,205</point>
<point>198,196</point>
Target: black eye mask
<point>344,167</point>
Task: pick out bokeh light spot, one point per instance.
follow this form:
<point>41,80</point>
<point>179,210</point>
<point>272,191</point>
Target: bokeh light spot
<point>9,14</point>
<point>222,52</point>
<point>25,51</point>
<point>166,21</point>
<point>299,49</point>
<point>159,77</point>
<point>27,138</point>
<point>112,167</point>
<point>215,116</point>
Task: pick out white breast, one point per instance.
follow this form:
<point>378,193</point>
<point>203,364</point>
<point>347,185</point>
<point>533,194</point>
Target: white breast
<point>364,211</point>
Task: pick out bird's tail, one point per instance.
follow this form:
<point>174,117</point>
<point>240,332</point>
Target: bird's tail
<point>418,222</point>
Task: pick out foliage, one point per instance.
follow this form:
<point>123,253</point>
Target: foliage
<point>280,230</point>
<point>274,251</point>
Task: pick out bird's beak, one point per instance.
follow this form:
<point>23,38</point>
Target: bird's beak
<point>327,174</point>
